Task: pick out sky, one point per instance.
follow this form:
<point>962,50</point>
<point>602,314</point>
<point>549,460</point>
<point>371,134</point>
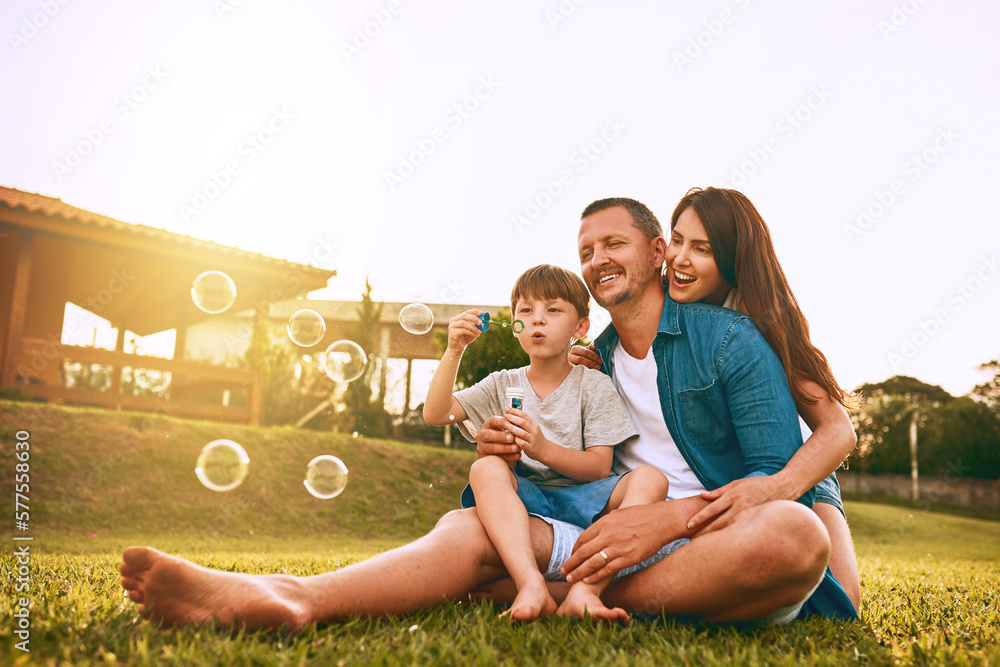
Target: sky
<point>440,148</point>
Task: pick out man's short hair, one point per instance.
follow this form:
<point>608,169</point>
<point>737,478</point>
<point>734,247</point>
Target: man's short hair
<point>546,281</point>
<point>642,217</point>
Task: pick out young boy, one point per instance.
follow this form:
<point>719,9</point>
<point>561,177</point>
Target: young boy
<point>570,421</point>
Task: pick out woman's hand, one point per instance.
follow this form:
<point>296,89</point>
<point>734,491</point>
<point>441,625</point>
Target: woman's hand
<point>585,356</point>
<point>627,536</point>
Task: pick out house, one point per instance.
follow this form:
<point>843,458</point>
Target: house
<point>137,277</point>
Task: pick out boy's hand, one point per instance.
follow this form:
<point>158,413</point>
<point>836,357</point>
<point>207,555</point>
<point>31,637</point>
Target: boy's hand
<point>527,433</point>
<point>585,356</point>
<point>463,329</point>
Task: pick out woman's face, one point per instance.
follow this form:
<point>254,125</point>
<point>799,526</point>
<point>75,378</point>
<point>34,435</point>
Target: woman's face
<point>691,270</point>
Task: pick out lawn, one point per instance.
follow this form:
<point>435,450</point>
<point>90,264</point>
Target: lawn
<point>101,481</point>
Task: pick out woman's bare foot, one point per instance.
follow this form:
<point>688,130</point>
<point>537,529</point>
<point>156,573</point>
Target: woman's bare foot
<point>178,592</point>
<point>582,598</point>
<point>532,601</point>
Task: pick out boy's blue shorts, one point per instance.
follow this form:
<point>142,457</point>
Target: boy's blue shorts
<point>579,505</point>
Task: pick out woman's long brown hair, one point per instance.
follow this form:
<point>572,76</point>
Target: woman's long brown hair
<point>744,254</point>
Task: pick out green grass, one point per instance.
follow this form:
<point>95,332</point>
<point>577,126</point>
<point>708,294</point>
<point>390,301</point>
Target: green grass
<point>101,481</point>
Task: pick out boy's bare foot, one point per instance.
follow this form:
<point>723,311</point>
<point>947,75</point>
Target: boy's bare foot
<point>178,592</point>
<point>531,602</point>
<point>582,598</point>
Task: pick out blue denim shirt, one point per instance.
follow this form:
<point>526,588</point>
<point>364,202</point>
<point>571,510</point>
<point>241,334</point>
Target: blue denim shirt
<point>727,404</point>
<point>723,391</point>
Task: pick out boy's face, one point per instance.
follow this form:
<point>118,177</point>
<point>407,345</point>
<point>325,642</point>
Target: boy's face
<point>550,326</point>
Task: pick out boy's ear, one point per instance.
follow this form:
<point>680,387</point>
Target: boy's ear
<point>582,330</point>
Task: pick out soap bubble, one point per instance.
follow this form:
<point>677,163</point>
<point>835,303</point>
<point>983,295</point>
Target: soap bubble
<point>344,361</point>
<point>416,318</point>
<point>306,327</point>
<point>213,292</point>
<point>326,477</point>
<point>222,465</point>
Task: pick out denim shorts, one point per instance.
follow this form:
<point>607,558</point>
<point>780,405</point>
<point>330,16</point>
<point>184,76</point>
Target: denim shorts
<point>828,491</point>
<point>579,505</point>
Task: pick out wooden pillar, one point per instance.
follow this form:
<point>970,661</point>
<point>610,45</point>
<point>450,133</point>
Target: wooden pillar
<point>180,340</point>
<point>409,375</point>
<point>18,308</point>
<point>384,345</point>
<point>914,470</point>
<point>255,398</point>
<point>116,370</point>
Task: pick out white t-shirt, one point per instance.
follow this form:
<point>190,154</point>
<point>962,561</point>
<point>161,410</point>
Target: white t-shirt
<point>635,380</point>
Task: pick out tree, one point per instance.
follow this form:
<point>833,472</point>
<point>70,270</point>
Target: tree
<point>495,349</point>
<point>273,362</point>
<point>989,391</point>
<point>365,409</point>
<point>957,435</point>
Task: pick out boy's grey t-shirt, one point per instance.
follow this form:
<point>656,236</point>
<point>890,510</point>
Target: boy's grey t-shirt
<point>584,411</point>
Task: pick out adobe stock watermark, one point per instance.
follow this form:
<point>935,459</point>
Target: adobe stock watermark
<point>912,171</point>
<point>712,29</point>
<point>372,28</point>
<point>33,24</point>
<point>562,12</point>
<point>785,128</point>
<point>550,189</point>
<point>218,180</point>
<point>899,16</point>
<point>121,109</point>
<point>958,297</point>
<point>456,115</point>
<point>224,7</point>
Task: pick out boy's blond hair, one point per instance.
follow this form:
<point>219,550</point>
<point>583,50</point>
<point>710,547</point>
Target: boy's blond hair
<point>546,281</point>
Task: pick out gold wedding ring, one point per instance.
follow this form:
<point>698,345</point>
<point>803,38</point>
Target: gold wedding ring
<point>604,556</point>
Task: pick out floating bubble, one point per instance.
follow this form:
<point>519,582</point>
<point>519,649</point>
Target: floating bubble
<point>222,465</point>
<point>326,477</point>
<point>344,361</point>
<point>306,327</point>
<point>213,292</point>
<point>416,318</point>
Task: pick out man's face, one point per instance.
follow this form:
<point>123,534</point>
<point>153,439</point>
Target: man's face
<point>616,261</point>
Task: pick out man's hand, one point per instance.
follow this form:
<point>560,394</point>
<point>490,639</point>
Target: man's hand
<point>527,433</point>
<point>627,536</point>
<point>493,439</point>
<point>585,356</point>
<point>729,500</point>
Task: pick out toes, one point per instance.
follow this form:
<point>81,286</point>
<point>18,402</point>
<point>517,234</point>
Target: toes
<point>138,559</point>
<point>136,596</point>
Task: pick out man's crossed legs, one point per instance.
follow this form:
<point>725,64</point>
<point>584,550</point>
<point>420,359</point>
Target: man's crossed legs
<point>769,557</point>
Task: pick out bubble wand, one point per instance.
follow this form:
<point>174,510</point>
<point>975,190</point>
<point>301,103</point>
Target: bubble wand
<point>517,325</point>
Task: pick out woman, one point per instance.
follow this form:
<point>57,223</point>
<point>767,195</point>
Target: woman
<point>720,252</point>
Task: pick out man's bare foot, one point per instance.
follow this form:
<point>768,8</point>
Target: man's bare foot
<point>178,592</point>
<point>531,602</point>
<point>582,598</point>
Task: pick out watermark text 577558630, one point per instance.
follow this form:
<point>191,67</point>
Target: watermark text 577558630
<point>22,554</point>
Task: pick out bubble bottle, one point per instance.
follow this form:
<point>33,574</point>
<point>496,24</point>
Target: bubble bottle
<point>514,397</point>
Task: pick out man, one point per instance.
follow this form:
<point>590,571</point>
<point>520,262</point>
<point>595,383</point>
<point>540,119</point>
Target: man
<point>721,410</point>
<point>760,565</point>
